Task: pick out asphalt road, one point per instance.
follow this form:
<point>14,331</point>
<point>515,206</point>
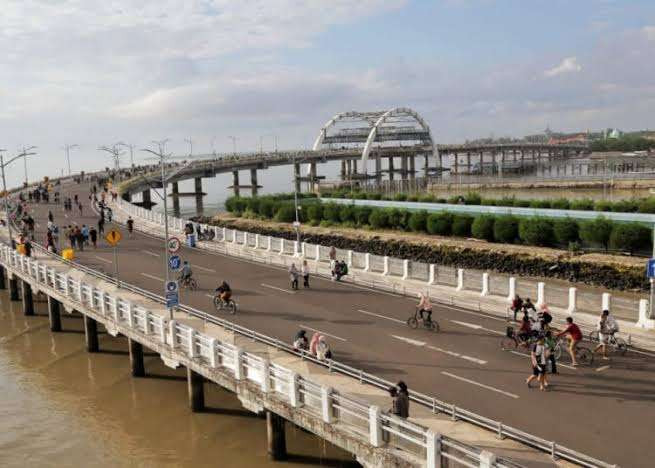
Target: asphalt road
<point>606,411</point>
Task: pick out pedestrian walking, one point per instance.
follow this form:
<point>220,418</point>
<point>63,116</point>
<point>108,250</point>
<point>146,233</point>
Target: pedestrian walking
<point>293,274</point>
<point>130,225</point>
<point>79,238</point>
<point>28,248</point>
<point>50,217</point>
<point>85,234</point>
<point>79,205</point>
<point>305,274</point>
<point>538,357</point>
<point>93,234</point>
<point>101,226</point>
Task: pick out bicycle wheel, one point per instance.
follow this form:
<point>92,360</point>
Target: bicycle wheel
<point>217,302</point>
<point>232,307</point>
<point>557,352</point>
<point>507,343</point>
<point>593,336</point>
<point>412,323</point>
<point>584,356</point>
<point>621,346</point>
<point>193,284</point>
<point>432,326</point>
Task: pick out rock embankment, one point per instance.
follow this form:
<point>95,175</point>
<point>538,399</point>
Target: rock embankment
<point>608,271</point>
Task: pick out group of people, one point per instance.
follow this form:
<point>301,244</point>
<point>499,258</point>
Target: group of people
<point>399,394</point>
<point>338,268</point>
<point>317,346</point>
<point>40,193</point>
<point>294,274</point>
<point>79,237</point>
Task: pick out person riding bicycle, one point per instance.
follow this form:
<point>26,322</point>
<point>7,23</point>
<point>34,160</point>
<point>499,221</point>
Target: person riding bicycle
<point>575,336</point>
<point>544,317</point>
<point>224,291</point>
<point>517,305</point>
<point>607,326</point>
<point>526,329</point>
<point>186,273</point>
<point>424,305</point>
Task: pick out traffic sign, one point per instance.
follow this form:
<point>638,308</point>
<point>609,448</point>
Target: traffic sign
<point>113,237</point>
<point>650,268</point>
<point>174,262</point>
<point>172,294</point>
<point>173,244</point>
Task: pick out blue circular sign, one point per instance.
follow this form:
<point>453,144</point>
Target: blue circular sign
<point>174,262</point>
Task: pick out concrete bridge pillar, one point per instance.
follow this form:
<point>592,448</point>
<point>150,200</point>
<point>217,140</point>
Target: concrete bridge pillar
<point>412,167</point>
<point>235,182</point>
<point>197,185</point>
<point>391,170</point>
<point>403,167</point>
<point>456,164</point>
<point>440,164</point>
<point>3,285</point>
<point>91,334</point>
<point>378,169</point>
<point>493,160</point>
<point>146,201</point>
<point>426,165</point>
<point>195,384</point>
<point>253,181</point>
<point>343,169</point>
<point>355,169</point>
<point>54,314</point>
<point>468,162</point>
<point>176,198</point>
<point>137,365</point>
<point>277,443</point>
<point>28,300</point>
<point>296,176</point>
<point>312,176</point>
<point>13,288</point>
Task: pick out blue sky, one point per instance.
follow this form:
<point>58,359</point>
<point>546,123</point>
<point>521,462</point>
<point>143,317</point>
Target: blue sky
<point>97,72</point>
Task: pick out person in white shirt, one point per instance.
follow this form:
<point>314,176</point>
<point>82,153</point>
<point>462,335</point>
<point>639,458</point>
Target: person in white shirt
<point>304,270</point>
<point>607,326</point>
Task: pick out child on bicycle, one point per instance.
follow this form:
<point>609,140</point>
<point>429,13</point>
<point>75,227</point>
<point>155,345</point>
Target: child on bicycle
<point>424,305</point>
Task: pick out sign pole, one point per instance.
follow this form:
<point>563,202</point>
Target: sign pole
<point>651,300</point>
<point>118,282</point>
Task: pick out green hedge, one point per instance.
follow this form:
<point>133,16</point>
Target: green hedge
<point>537,231</point>
<point>633,205</point>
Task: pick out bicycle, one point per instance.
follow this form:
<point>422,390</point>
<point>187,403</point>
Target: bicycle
<point>583,355</point>
<point>511,340</point>
<point>429,324</point>
<point>616,343</point>
<point>190,283</point>
<point>221,304</point>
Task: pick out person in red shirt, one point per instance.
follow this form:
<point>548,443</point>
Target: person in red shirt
<point>575,336</point>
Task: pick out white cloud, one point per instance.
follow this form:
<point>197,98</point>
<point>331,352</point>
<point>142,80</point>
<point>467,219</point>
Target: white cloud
<point>649,31</point>
<point>567,65</point>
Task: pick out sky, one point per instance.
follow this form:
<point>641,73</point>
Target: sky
<point>95,72</point>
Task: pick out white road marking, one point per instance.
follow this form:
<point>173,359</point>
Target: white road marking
<point>323,333</point>
<point>477,327</point>
<point>278,289</point>
<point>381,316</point>
<point>102,259</point>
<point>151,253</point>
<point>481,385</point>
<point>409,340</point>
<point>208,270</point>
<point>210,295</point>
<point>152,277</point>
<point>602,368</point>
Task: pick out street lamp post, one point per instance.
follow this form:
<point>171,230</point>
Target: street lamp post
<point>190,142</point>
<point>68,149</point>
<point>131,147</point>
<point>115,154</point>
<point>234,144</point>
<point>25,150</point>
<point>4,164</point>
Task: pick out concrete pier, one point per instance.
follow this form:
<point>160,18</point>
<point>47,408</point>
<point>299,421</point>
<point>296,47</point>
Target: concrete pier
<point>3,284</point>
<point>313,177</point>
<point>28,300</point>
<point>137,365</point>
<point>146,201</point>
<point>54,314</point>
<point>13,288</point>
<point>412,167</point>
<point>296,176</point>
<point>277,442</point>
<point>91,334</point>
<point>235,182</point>
<point>195,384</point>
<point>253,181</point>
<point>176,198</point>
<point>391,169</point>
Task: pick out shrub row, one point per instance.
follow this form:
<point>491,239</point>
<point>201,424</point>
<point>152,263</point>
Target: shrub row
<point>537,231</point>
<point>633,205</point>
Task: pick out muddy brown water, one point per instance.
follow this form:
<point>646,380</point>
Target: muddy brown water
<point>63,407</point>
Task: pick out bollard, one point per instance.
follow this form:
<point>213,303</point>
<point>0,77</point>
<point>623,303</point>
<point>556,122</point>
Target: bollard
<point>367,262</point>
<point>644,320</point>
<point>573,301</point>
<point>224,234</point>
<point>512,289</point>
<point>405,269</point>
<point>269,244</point>
<point>266,376</point>
<point>485,284</point>
<point>296,249</point>
<point>318,253</point>
<point>256,241</point>
<point>541,294</point>
<point>385,272</point>
<point>349,260</point>
<point>282,246</point>
<point>460,279</point>
<point>293,390</point>
<point>607,301</point>
<point>238,364</point>
<point>487,459</point>
<point>431,277</point>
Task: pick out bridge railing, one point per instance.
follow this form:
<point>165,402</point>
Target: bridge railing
<point>436,275</point>
<point>367,421</point>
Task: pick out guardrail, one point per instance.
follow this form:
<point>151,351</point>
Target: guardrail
<point>365,420</point>
<point>252,248</point>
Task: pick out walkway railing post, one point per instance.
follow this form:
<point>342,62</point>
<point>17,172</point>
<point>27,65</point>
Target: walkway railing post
<point>375,426</point>
<point>213,352</point>
<point>293,390</point>
<point>326,404</point>
<point>487,459</point>
<point>385,271</point>
<point>433,449</point>
<point>238,364</point>
<point>349,260</point>
<point>405,269</point>
<point>172,332</point>
<point>367,262</point>
<point>431,274</point>
<point>266,376</point>
<point>257,241</point>
<point>541,294</point>
<point>607,301</point>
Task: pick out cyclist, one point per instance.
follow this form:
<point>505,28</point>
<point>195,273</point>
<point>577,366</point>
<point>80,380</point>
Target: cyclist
<point>544,317</point>
<point>224,292</point>
<point>575,336</point>
<point>517,305</point>
<point>186,273</point>
<point>424,305</point>
<point>528,305</point>
<point>607,326</point>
